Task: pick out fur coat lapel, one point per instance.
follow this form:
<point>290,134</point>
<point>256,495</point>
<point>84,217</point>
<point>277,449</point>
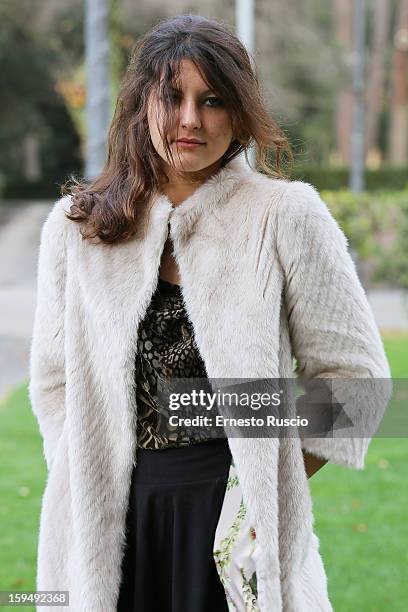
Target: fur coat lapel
<point>244,247</point>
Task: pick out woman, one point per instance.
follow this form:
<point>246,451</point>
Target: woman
<point>181,262</point>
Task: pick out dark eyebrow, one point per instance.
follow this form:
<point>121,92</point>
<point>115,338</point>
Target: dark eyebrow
<point>202,94</point>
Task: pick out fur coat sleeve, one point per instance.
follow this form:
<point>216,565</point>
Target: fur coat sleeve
<point>332,327</point>
<point>47,356</point>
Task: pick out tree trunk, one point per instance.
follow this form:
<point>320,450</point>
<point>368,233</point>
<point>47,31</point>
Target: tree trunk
<point>399,82</point>
<point>31,157</point>
<point>343,27</point>
<point>375,85</point>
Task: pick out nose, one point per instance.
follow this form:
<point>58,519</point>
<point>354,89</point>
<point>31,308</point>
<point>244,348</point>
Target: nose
<point>189,115</point>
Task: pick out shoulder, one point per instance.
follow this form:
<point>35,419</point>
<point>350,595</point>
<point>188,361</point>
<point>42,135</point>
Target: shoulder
<point>303,216</point>
<point>286,196</point>
<point>56,225</point>
<point>302,198</point>
<point>302,205</point>
<point>56,220</point>
<point>56,216</point>
<point>294,207</point>
<point>299,198</point>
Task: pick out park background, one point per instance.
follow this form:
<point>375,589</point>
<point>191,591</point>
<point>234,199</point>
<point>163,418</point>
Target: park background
<point>305,57</point>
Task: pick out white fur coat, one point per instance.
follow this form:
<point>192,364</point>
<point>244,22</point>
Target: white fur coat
<point>266,276</point>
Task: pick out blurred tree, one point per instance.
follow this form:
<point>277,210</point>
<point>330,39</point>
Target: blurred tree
<point>63,26</point>
<point>398,134</point>
<point>343,32</point>
<point>299,66</point>
<point>303,53</point>
<point>119,47</point>
<point>137,15</point>
<point>375,94</point>
<point>37,134</point>
<point>24,79</point>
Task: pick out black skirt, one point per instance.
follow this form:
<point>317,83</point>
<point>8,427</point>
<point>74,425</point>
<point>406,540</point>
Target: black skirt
<point>175,501</point>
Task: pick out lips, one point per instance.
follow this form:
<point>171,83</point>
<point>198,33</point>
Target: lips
<point>190,141</point>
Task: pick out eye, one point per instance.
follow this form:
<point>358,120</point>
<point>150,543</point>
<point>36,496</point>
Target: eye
<point>174,96</point>
<point>214,101</point>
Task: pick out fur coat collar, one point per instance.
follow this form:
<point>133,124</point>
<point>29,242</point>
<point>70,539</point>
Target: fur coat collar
<point>266,276</point>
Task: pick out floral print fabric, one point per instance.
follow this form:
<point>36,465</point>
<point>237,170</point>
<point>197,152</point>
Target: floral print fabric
<point>234,549</point>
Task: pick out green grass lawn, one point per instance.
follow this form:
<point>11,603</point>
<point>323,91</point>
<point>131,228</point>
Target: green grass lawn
<point>22,479</point>
<point>360,516</point>
<point>361,519</point>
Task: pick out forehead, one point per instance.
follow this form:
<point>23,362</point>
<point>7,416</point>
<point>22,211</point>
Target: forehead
<point>189,77</point>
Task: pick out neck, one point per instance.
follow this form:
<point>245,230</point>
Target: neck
<point>178,188</point>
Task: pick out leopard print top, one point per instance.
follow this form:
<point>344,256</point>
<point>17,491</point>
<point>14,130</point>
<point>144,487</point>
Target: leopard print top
<point>166,348</point>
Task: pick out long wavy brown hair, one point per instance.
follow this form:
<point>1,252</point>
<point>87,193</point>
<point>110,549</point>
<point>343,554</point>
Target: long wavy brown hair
<point>108,206</point>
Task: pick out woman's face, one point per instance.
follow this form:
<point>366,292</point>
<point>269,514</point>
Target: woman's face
<point>200,115</point>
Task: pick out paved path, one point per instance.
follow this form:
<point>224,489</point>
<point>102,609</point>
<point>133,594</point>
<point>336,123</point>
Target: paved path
<point>390,307</point>
<point>20,228</point>
<point>19,240</point>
